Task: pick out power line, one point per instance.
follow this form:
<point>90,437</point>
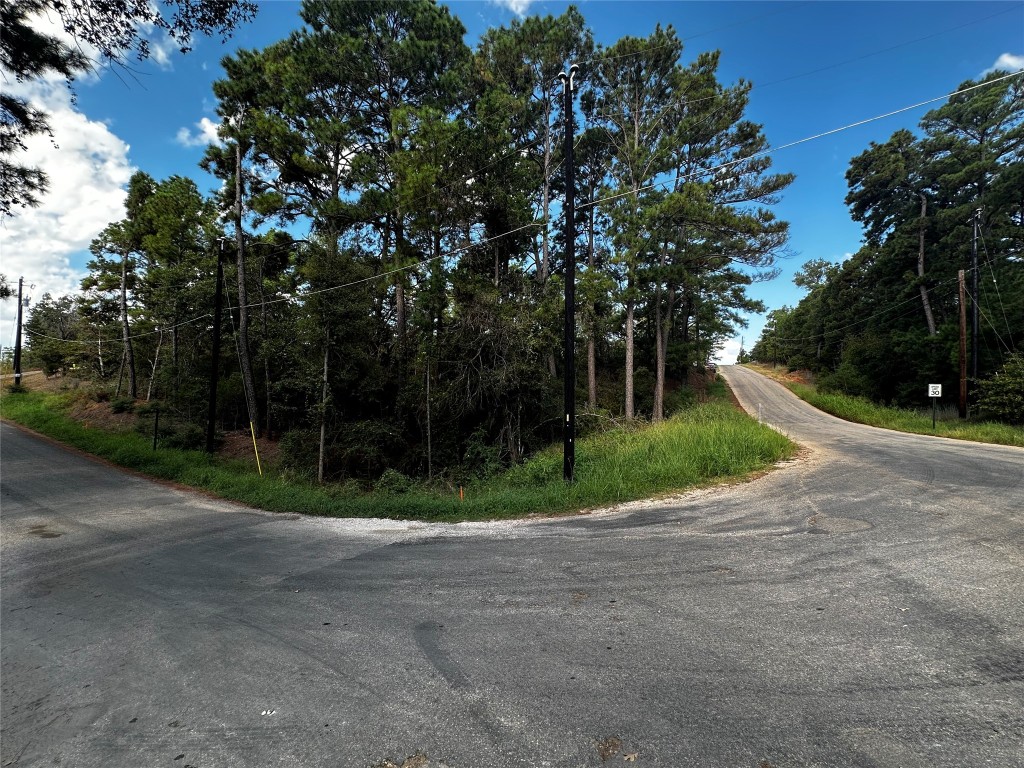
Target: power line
<point>397,270</point>
<point>772,150</point>
<point>999,295</point>
<point>991,325</point>
<point>869,318</point>
<point>890,48</point>
<point>698,174</point>
<point>143,335</point>
<point>827,67</point>
<point>680,40</point>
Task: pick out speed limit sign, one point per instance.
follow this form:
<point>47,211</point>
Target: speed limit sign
<point>934,390</point>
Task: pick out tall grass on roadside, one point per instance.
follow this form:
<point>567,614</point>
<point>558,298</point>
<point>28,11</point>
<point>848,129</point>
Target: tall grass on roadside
<point>705,444</point>
<point>863,411</point>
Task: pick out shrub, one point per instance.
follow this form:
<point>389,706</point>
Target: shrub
<point>1001,397</point>
<point>122,405</point>
<point>481,457</point>
<point>346,489</point>
<point>187,437</point>
<point>393,481</point>
<point>299,449</point>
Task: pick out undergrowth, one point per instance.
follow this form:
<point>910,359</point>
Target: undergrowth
<point>706,443</point>
<point>863,411</point>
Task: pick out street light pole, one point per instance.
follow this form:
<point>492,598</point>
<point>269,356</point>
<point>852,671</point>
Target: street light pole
<point>569,428</point>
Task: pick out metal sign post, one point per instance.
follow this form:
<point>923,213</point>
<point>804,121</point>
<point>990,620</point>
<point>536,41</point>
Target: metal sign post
<point>934,392</point>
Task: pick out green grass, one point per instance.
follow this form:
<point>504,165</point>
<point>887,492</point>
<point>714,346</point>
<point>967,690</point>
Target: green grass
<point>709,443</point>
<point>863,411</point>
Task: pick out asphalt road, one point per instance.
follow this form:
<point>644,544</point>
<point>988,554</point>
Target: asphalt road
<point>860,606</point>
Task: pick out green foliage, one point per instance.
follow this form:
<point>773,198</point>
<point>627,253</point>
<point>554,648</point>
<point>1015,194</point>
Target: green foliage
<point>122,405</point>
<point>1001,396</point>
<point>416,324</point>
<point>864,411</point>
<point>27,54</point>
<point>884,323</point>
<point>703,445</point>
<point>392,482</point>
<point>297,452</point>
<point>186,437</point>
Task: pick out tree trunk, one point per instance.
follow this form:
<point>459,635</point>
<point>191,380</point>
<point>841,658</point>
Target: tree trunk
<point>920,270</point>
<point>156,363</point>
<point>266,356</point>
<point>245,360</point>
<point>662,327</point>
<point>399,283</point>
<point>175,359</point>
<point>542,273</point>
<point>441,300</point>
<point>120,374</point>
<point>592,368</point>
<point>126,334</point>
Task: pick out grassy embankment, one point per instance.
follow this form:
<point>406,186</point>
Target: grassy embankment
<point>711,442</point>
<point>863,411</point>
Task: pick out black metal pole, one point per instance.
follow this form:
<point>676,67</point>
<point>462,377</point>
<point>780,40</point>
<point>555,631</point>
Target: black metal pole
<point>17,338</point>
<point>569,428</point>
<point>974,299</point>
<point>218,301</point>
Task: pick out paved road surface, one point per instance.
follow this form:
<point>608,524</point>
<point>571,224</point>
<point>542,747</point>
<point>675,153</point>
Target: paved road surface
<point>861,606</point>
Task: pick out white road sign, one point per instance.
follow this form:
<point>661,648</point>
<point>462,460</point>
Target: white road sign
<point>934,390</point>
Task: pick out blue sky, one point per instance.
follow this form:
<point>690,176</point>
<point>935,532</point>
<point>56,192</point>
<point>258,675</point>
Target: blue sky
<point>815,66</point>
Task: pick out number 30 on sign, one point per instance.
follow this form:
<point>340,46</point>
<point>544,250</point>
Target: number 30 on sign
<point>934,390</point>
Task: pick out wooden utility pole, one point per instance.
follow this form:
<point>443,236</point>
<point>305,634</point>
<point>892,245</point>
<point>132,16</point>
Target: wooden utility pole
<point>963,346</point>
<point>17,338</point>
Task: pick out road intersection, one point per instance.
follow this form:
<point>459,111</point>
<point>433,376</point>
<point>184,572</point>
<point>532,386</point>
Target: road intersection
<point>859,606</point>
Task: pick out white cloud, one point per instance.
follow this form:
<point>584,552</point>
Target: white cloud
<point>88,172</point>
<point>1008,62</point>
<point>727,354</point>
<point>161,46</point>
<point>518,7</point>
<point>206,133</point>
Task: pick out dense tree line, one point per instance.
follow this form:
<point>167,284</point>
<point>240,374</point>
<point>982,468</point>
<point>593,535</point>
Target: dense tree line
<point>389,223</point>
<point>885,322</point>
